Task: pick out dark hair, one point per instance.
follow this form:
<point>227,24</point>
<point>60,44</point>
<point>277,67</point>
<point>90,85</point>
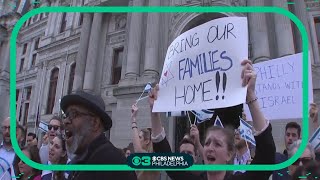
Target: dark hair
<point>311,171</point>
<point>188,141</point>
<point>63,160</point>
<point>32,134</point>
<point>34,156</point>
<point>295,126</point>
<point>228,132</point>
<point>56,118</point>
<point>23,134</point>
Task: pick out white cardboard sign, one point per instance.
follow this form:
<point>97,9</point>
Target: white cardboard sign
<point>202,68</point>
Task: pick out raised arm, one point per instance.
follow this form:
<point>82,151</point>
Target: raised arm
<point>249,78</point>
<point>313,118</point>
<point>155,117</point>
<point>135,132</point>
<point>265,146</point>
<point>194,134</point>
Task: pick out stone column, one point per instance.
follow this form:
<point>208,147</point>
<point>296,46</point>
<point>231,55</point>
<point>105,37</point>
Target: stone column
<point>82,52</point>
<point>283,31</point>
<point>92,58</point>
<point>300,10</point>
<point>151,57</point>
<point>4,80</point>
<point>258,32</point>
<point>134,46</point>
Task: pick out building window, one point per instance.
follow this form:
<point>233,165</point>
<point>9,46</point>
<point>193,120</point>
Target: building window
<point>34,19</point>
<point>25,46</point>
<point>28,93</point>
<point>317,25</point>
<point>26,102</point>
<point>36,44</point>
<point>21,65</point>
<point>33,61</point>
<point>81,19</point>
<point>29,21</point>
<point>52,90</point>
<point>117,65</point>
<point>63,23</point>
<point>17,97</point>
<point>71,77</point>
<point>25,114</point>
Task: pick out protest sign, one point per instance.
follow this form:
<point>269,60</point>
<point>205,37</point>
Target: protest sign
<point>279,88</point>
<point>202,68</point>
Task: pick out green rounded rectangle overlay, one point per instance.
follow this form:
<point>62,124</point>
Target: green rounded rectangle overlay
<point>193,9</point>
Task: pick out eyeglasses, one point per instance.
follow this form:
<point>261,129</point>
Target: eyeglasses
<point>304,161</point>
<point>55,127</point>
<point>5,127</point>
<point>73,114</point>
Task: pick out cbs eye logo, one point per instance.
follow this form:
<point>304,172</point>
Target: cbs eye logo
<point>144,161</point>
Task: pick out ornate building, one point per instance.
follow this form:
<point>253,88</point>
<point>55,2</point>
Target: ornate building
<point>116,54</point>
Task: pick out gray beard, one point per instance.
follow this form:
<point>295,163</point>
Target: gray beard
<point>77,139</point>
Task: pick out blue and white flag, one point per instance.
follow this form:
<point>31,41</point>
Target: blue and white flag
<point>203,115</point>
<point>218,122</point>
<point>315,139</point>
<point>148,87</point>
<point>176,113</point>
<point>246,132</point>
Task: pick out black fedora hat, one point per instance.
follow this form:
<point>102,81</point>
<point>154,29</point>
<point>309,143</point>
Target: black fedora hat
<point>92,102</point>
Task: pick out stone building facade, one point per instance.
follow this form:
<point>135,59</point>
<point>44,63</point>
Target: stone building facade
<point>116,54</point>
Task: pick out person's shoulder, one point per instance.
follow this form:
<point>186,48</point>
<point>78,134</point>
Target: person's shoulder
<point>108,153</point>
<point>280,157</point>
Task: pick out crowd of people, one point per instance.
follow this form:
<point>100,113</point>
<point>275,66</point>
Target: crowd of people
<point>79,137</point>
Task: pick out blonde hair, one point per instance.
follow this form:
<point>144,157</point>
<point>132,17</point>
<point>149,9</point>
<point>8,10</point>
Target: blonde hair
<point>146,133</point>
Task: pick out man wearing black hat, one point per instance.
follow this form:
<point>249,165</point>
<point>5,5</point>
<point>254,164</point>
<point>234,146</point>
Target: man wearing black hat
<point>85,125</point>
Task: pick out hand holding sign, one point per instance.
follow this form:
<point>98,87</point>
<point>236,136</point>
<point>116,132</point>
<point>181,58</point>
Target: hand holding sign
<point>153,95</point>
<point>249,77</point>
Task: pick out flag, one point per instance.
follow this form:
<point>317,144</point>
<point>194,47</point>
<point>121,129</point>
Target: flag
<point>218,122</point>
<point>246,132</point>
<point>176,113</point>
<point>202,115</point>
<point>148,87</point>
<point>315,139</point>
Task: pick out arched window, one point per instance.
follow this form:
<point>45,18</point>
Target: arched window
<point>52,90</point>
<point>71,77</point>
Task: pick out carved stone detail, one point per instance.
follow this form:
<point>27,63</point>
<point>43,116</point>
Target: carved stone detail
<point>121,22</point>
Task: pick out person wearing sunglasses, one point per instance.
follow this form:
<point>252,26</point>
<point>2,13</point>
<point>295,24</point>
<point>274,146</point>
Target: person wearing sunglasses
<point>54,128</point>
<point>307,156</point>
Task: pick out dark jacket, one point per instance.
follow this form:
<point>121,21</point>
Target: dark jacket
<point>281,174</point>
<point>265,154</point>
<point>101,151</point>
